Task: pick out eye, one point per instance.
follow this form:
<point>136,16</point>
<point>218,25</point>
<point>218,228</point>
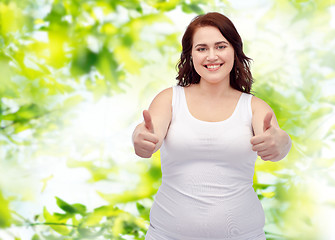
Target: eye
<point>222,47</point>
<point>201,49</point>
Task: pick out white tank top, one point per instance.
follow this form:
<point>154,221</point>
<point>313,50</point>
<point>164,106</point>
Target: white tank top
<point>207,177</point>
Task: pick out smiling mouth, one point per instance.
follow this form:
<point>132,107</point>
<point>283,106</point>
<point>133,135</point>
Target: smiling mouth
<point>213,66</point>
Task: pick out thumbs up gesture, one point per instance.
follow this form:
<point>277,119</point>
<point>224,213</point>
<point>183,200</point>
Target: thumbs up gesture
<point>144,137</point>
<point>267,121</point>
<point>147,121</point>
<point>269,145</point>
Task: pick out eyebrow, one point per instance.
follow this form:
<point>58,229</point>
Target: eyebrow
<point>204,45</point>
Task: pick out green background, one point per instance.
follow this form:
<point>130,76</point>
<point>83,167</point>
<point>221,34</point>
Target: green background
<point>76,75</point>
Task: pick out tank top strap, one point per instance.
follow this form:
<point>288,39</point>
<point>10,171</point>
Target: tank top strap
<point>175,96</point>
<point>178,101</point>
<point>244,110</point>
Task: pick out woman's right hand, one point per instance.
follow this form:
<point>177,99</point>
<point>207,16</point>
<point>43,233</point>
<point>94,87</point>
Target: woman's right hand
<point>144,138</point>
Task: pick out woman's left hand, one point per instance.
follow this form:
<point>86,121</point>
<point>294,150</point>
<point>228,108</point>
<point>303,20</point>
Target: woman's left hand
<point>273,144</point>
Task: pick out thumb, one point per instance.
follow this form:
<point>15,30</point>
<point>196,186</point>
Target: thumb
<point>267,121</point>
<point>147,121</point>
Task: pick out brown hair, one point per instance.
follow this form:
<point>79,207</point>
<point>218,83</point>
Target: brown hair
<point>240,75</point>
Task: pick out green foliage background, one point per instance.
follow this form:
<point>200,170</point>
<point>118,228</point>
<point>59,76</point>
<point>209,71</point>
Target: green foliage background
<point>75,76</point>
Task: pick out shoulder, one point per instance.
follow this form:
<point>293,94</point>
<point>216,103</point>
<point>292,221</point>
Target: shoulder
<point>165,95</point>
<point>167,91</point>
<point>259,110</point>
<point>162,99</point>
<point>259,105</point>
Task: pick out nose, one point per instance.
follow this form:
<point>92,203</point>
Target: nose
<point>212,55</point>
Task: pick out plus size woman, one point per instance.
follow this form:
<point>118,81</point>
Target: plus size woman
<point>209,130</point>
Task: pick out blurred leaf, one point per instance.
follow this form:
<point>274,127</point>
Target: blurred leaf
<point>144,211</point>
<point>323,111</point>
<point>269,194</point>
<point>5,215</point>
<point>83,61</point>
<point>191,8</point>
<point>267,166</point>
<point>57,13</point>
<point>11,18</point>
<point>262,186</point>
<point>97,173</point>
<point>35,237</point>
<point>53,54</point>
<point>72,101</point>
<point>110,69</point>
<point>71,208</point>
<point>6,86</point>
<point>56,222</point>
<point>45,181</point>
<point>25,114</point>
<point>108,211</point>
<point>164,5</point>
<point>123,54</point>
<point>130,4</point>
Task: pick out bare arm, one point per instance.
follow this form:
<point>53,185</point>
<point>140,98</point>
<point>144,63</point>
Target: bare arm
<point>148,136</point>
<point>270,141</point>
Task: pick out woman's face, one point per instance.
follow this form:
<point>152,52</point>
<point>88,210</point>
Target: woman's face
<point>212,55</point>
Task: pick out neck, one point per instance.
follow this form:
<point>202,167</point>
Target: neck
<point>220,89</point>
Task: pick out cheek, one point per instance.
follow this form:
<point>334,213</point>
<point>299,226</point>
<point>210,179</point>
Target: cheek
<point>196,56</point>
<point>229,60</point>
<point>197,60</point>
<point>229,56</point>
<point>197,66</point>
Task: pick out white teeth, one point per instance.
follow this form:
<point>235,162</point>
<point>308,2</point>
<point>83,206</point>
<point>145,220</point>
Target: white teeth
<point>213,66</point>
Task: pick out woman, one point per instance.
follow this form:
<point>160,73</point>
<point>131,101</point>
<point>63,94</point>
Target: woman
<point>210,130</point>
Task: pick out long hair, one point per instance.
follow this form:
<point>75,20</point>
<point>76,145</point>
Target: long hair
<point>240,75</point>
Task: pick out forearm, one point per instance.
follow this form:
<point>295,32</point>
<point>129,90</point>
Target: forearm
<point>160,133</point>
